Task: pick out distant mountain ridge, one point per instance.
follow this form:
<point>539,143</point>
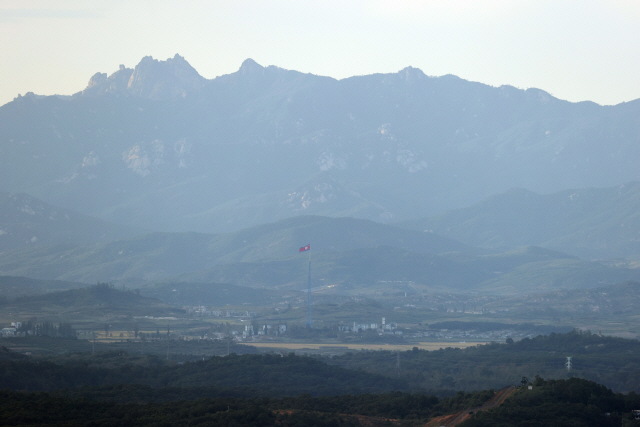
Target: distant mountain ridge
<point>349,255</point>
<point>587,222</point>
<point>26,221</point>
<point>159,146</point>
<point>159,256</point>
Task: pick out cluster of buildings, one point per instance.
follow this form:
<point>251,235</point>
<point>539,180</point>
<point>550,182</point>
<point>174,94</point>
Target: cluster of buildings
<point>250,331</point>
<point>203,312</point>
<point>383,327</point>
<point>497,335</point>
<point>12,331</point>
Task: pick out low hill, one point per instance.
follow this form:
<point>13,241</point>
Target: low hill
<point>610,361</point>
<point>251,375</point>
<point>12,286</point>
<point>589,222</point>
<point>26,222</point>
<point>611,302</point>
<point>559,274</point>
<point>214,294</point>
<point>571,402</point>
<point>94,299</point>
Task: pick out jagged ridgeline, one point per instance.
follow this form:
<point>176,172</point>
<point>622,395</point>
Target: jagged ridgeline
<point>158,146</point>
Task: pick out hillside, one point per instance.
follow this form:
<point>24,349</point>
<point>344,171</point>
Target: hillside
<point>15,286</point>
<point>376,269</point>
<point>165,255</point>
<point>26,222</point>
<point>348,255</point>
<point>587,222</point>
<point>608,360</point>
<point>214,294</point>
<point>571,402</point>
<point>245,375</point>
<point>94,300</point>
<point>160,147</point>
<point>610,302</point>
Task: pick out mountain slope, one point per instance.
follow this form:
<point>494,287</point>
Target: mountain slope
<point>163,255</point>
<point>348,256</point>
<point>590,222</point>
<point>15,286</point>
<point>158,146</point>
<point>26,221</point>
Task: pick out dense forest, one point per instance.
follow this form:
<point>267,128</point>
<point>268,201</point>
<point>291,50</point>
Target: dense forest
<point>567,403</point>
<point>248,375</point>
<point>610,361</point>
<point>572,402</point>
<point>366,387</point>
<point>17,409</point>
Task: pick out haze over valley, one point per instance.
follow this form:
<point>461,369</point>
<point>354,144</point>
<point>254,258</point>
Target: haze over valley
<point>438,243</point>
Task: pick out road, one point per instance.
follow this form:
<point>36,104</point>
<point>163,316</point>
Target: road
<point>455,419</point>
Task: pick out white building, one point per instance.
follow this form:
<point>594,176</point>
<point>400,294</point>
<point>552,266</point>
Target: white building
<point>8,332</point>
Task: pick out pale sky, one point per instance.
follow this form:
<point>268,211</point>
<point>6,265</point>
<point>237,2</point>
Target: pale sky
<point>575,50</point>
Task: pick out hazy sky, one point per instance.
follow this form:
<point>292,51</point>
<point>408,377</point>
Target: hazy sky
<point>575,50</point>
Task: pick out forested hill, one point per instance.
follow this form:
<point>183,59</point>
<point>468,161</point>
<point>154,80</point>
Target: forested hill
<point>99,298</point>
<point>572,402</point>
<point>611,361</point>
<point>242,375</point>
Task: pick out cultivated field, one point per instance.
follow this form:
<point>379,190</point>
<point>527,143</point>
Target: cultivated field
<point>390,347</point>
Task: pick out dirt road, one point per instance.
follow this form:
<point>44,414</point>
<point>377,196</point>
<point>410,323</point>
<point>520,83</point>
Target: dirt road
<point>455,419</point>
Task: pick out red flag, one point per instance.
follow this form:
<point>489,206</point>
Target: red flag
<point>305,248</point>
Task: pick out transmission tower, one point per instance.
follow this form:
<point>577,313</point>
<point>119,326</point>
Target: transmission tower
<point>568,364</point>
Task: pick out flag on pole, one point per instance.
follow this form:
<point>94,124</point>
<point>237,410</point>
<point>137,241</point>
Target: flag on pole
<point>305,248</point>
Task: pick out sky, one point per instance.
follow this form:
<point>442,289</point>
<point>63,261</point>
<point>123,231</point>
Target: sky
<point>575,50</point>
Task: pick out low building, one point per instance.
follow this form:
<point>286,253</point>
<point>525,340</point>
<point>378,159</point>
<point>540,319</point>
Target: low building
<point>8,332</point>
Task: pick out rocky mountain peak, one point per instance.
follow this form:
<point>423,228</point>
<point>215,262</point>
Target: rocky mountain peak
<point>151,78</point>
<point>411,74</point>
<point>172,78</point>
<point>116,83</point>
<point>249,66</point>
<point>97,79</point>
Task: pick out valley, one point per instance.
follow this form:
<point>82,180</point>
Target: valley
<point>270,247</point>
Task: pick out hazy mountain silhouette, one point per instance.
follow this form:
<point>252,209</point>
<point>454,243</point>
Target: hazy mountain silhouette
<point>588,222</point>
<point>26,222</point>
<point>159,146</point>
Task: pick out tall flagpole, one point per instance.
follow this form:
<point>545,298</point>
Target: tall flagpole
<point>309,323</point>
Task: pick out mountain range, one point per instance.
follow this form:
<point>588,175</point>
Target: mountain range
<point>160,147</point>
